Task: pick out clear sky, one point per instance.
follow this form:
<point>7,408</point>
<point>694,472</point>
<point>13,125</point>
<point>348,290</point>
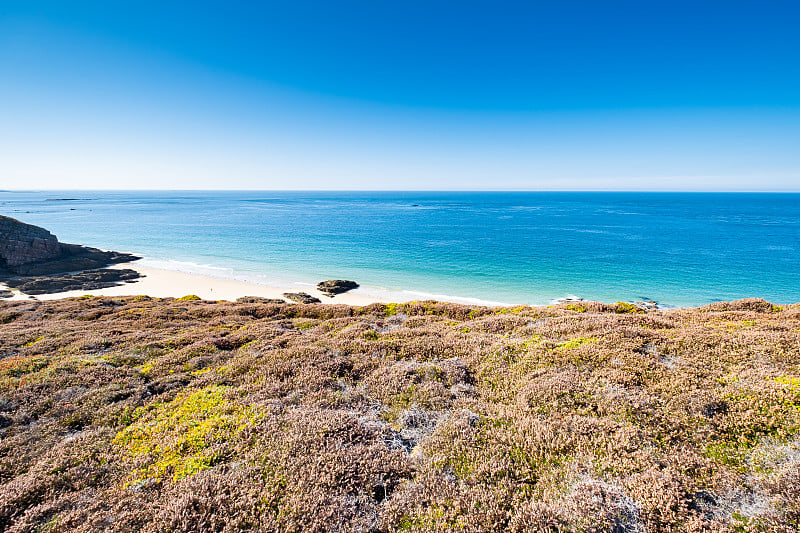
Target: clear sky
<point>468,94</point>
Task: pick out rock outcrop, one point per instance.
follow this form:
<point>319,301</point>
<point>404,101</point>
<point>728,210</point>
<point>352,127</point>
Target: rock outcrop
<point>258,300</point>
<point>301,298</point>
<point>22,243</point>
<point>332,287</point>
<point>82,281</point>
<point>28,250</point>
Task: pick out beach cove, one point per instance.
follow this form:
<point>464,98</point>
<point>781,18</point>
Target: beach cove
<point>162,283</point>
<point>680,249</point>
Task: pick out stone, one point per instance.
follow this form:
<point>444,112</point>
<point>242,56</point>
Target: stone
<point>28,250</point>
<point>567,299</point>
<point>81,281</point>
<point>259,300</point>
<point>332,287</point>
<point>301,298</point>
<point>647,305</point>
<point>22,243</point>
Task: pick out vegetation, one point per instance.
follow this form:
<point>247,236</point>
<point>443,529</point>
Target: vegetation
<point>137,413</point>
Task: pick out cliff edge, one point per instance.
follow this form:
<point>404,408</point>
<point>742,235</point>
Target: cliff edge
<point>28,250</point>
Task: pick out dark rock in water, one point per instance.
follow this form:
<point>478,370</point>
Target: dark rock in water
<point>27,250</point>
<point>82,281</point>
<point>259,300</point>
<point>301,298</point>
<point>333,287</point>
<point>6,294</point>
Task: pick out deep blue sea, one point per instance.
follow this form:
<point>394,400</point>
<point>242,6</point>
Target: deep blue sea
<point>502,247</point>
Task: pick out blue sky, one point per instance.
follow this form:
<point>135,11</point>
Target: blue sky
<point>673,95</point>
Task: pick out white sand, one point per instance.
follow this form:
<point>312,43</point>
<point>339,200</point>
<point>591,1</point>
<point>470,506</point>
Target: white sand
<point>165,283</point>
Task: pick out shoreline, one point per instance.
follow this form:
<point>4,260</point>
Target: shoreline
<point>160,282</point>
<point>166,283</point>
<point>163,282</point>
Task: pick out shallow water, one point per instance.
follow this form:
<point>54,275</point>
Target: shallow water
<point>520,247</point>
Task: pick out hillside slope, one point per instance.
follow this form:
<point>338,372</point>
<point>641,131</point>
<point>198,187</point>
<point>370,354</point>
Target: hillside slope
<point>183,415</point>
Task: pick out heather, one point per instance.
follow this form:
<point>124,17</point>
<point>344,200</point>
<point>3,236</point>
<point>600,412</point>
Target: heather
<point>136,413</point>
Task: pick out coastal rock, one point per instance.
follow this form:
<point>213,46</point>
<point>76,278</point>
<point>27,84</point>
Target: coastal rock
<point>22,243</point>
<point>82,281</point>
<point>332,287</point>
<point>647,305</point>
<point>567,300</point>
<point>28,250</point>
<point>6,293</point>
<point>301,298</point>
<point>258,300</point>
<point>73,259</point>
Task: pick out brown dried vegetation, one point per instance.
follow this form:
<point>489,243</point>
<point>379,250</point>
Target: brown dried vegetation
<point>124,414</point>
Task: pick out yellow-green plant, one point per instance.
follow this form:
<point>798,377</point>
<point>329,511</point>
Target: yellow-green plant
<point>186,435</point>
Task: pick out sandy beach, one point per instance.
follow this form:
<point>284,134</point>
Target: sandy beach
<point>163,283</point>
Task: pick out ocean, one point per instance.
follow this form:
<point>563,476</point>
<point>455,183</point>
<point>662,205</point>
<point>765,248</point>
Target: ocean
<point>679,249</point>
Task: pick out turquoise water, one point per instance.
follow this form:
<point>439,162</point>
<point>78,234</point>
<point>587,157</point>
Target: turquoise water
<point>676,248</point>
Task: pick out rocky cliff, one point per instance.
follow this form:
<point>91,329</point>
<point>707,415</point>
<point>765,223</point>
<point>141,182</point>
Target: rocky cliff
<point>29,250</point>
<point>22,243</point>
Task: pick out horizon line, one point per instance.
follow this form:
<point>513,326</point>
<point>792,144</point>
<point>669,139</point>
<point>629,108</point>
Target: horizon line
<point>679,191</point>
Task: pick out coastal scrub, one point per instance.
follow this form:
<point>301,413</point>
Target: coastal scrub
<point>151,415</point>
